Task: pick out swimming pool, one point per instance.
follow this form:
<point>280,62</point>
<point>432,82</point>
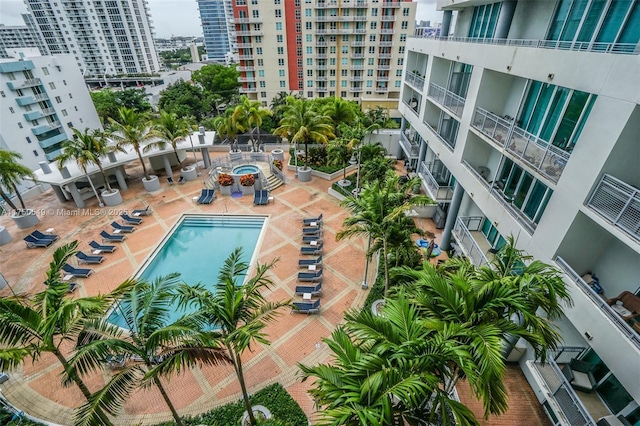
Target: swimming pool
<point>196,247</point>
<point>245,169</point>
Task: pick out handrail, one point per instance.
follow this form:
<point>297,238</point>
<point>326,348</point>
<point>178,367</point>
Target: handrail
<point>528,224</point>
<point>449,145</point>
<point>410,148</point>
<point>432,184</point>
<point>618,202</point>
<point>467,242</point>
<point>415,81</point>
<point>447,99</point>
<point>599,302</point>
<point>477,174</point>
<point>597,47</point>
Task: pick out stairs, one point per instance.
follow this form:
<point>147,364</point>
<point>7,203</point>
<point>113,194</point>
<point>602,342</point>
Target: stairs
<point>273,182</point>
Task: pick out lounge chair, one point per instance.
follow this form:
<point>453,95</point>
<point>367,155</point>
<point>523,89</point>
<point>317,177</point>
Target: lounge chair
<point>122,228</point>
<point>142,212</point>
<point>112,237</point>
<point>39,235</point>
<point>99,248</point>
<point>312,230</point>
<point>317,249</point>
<point>261,197</point>
<point>131,220</point>
<point>76,272</point>
<point>85,258</point>
<point>311,220</point>
<point>310,276</point>
<point>170,180</point>
<point>311,307</point>
<point>308,238</point>
<point>33,242</point>
<point>206,196</point>
<point>314,289</point>
<point>304,263</point>
<point>181,180</point>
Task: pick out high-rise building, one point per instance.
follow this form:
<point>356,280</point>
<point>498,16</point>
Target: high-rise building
<point>105,37</point>
<point>41,98</point>
<point>526,123</point>
<point>352,49</point>
<point>21,36</point>
<point>214,15</point>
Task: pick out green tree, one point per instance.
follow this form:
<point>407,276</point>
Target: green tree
<point>44,322</point>
<point>238,310</point>
<point>105,103</point>
<point>172,130</point>
<point>341,112</point>
<point>184,100</point>
<point>220,79</point>
<point>303,124</point>
<point>337,155</point>
<point>132,128</point>
<point>251,114</point>
<point>134,99</point>
<point>228,127</point>
<point>155,346</point>
<point>11,174</point>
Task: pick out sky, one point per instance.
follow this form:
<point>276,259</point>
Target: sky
<point>180,17</point>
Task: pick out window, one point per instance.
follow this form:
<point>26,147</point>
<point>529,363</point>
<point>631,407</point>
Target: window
<point>20,124</point>
<point>397,83</point>
<point>332,83</point>
<point>374,11</point>
<point>343,94</point>
<point>28,139</point>
<point>255,13</point>
<point>404,25</point>
<point>403,37</point>
<point>11,110</point>
<point>260,73</point>
<point>309,50</point>
<point>309,62</point>
<point>280,50</point>
<point>278,26</point>
<point>2,94</point>
<point>35,153</point>
<point>279,38</point>
<point>529,195</point>
<point>58,99</point>
<point>483,22</point>
<point>372,38</point>
<point>400,62</point>
<point>308,13</point>
<point>260,62</point>
<point>281,62</point>
<point>398,73</point>
<point>372,50</point>
<point>64,82</point>
<point>308,25</point>
<point>263,84</point>
<point>278,13</point>
<point>309,94</point>
<point>405,11</point>
<point>283,83</point>
<point>281,73</point>
<point>344,72</point>
<point>258,50</point>
<point>276,2</point>
<point>369,83</point>
<point>70,96</point>
<point>309,73</point>
<point>70,124</point>
<point>343,83</point>
<point>370,61</point>
<point>64,112</point>
<point>309,38</point>
<point>401,50</point>
<point>374,25</point>
<point>369,73</point>
<point>263,94</point>
<point>332,61</point>
<point>344,62</point>
<point>310,83</point>
<point>52,85</point>
<point>45,70</point>
<point>76,108</point>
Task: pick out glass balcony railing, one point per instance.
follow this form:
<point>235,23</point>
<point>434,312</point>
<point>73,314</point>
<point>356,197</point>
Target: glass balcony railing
<point>469,246</point>
<point>413,104</point>
<point>441,193</point>
<point>447,99</point>
<point>415,81</point>
<point>450,142</point>
<point>410,148</point>
<point>619,203</point>
<point>507,203</point>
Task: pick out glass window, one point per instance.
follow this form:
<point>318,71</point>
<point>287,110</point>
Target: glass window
<point>279,26</point>
<point>613,21</point>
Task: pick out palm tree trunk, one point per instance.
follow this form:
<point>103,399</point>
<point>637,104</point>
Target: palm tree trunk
<point>177,157</point>
<point>176,417</point>
<point>258,127</point>
<point>7,200</point>
<point>15,189</point>
<point>237,365</point>
<point>144,168</point>
<point>306,154</point>
<point>386,266</point>
<point>104,177</point>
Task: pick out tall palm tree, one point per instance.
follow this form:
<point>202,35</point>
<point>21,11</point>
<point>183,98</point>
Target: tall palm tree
<point>250,114</point>
<point>378,211</point>
<point>155,346</point>
<point>302,123</point>
<point>11,174</point>
<point>337,154</point>
<point>341,112</point>
<point>32,326</point>
<point>228,127</point>
<point>239,312</point>
<point>170,129</point>
<point>132,128</point>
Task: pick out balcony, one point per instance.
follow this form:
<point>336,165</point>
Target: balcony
<point>382,78</point>
<point>321,78</point>
<point>450,144</point>
<point>46,143</point>
<point>321,44</point>
<point>34,115</point>
<point>386,44</point>
<point>245,20</point>
<point>356,67</point>
<point>388,18</point>
<point>31,99</point>
<point>357,44</point>
<point>388,4</point>
<point>506,202</point>
<point>387,31</point>
<point>447,99</point>
<point>385,55</point>
<point>464,231</point>
<point>413,103</point>
<point>246,57</point>
<point>382,89</point>
<point>356,78</point>
<point>244,45</point>
<point>321,67</point>
<point>357,56</point>
<point>438,190</point>
<point>415,81</point>
<point>321,89</point>
<point>249,33</point>
<point>246,79</point>
<point>248,90</point>
<point>618,203</point>
<point>410,147</point>
<point>384,67</point>
<point>39,130</point>
<point>246,68</point>
<point>23,84</point>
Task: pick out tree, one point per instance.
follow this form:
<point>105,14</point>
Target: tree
<point>134,99</point>
<point>184,99</point>
<point>301,123</point>
<point>251,114</point>
<point>172,130</point>
<point>220,79</point>
<point>341,112</point>
<point>378,211</point>
<point>239,312</point>
<point>337,154</point>
<point>229,127</point>
<point>132,128</point>
<point>32,326</point>
<point>155,346</point>
<point>107,102</point>
<point>11,174</point>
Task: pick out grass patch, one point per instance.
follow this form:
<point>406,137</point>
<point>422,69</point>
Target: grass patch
<point>376,292</point>
<point>346,191</point>
<point>274,397</point>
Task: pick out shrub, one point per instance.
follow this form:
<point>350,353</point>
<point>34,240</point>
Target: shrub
<point>225,179</point>
<point>277,164</point>
<point>247,180</point>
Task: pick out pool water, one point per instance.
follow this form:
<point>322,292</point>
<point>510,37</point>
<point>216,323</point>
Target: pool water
<point>245,169</point>
<point>197,249</point>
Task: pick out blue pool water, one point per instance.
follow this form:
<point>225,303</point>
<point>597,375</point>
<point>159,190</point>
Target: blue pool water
<point>245,169</point>
<point>197,249</point>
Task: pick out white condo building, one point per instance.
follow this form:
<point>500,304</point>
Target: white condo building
<point>106,37</point>
<point>21,36</point>
<point>525,122</point>
<point>41,98</point>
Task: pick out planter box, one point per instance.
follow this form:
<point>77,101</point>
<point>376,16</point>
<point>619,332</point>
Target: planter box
<point>247,190</point>
<point>423,211</point>
<point>304,175</point>
<point>189,173</point>
<point>225,190</point>
<point>111,198</point>
<point>153,184</point>
<point>26,220</point>
<point>323,175</point>
<point>235,156</point>
<point>5,237</point>
<point>277,154</point>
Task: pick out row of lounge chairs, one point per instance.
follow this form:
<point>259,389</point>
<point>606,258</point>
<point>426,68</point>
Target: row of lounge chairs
<point>311,280</point>
<point>39,239</point>
<point>206,196</point>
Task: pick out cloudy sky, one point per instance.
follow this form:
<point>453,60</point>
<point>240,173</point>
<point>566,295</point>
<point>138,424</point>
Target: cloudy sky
<point>180,17</point>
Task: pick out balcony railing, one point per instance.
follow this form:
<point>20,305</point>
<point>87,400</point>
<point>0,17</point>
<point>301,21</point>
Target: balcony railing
<point>384,67</point>
<point>385,55</point>
<point>410,148</point>
<point>321,44</point>
<point>245,20</point>
<point>560,395</point>
<point>477,174</point>
<point>619,48</point>
<point>249,68</point>
<point>413,104</point>
<point>439,192</point>
<point>447,99</point>
<point>24,83</point>
<point>449,144</point>
<point>356,67</point>
<point>506,202</point>
<point>462,232</point>
<point>246,79</point>
<point>619,203</point>
<point>249,33</point>
<point>386,44</point>
<point>599,302</point>
<point>388,18</point>
<point>357,44</point>
<point>245,57</point>
<point>386,31</point>
<point>248,89</point>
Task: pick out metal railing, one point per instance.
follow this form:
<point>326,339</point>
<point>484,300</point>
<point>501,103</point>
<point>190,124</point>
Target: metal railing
<point>462,233</point>
<point>440,193</point>
<point>477,174</point>
<point>447,99</point>
<point>506,202</point>
<point>449,144</point>
<point>560,395</point>
<point>410,148</point>
<point>619,48</point>
<point>620,323</point>
<point>619,203</point>
<point>495,128</point>
<point>415,81</point>
<point>415,109</point>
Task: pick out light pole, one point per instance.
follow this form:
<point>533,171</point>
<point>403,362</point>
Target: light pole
<point>195,159</point>
<point>366,266</point>
<point>356,192</point>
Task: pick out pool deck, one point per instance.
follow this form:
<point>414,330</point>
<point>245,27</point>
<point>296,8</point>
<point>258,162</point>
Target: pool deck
<point>295,338</point>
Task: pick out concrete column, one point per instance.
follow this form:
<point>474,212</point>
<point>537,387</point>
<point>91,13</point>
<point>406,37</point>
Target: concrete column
<point>423,151</point>
<point>120,178</point>
<point>504,19</point>
<point>205,158</point>
<point>76,195</point>
<point>167,165</point>
<point>446,23</point>
<point>59,193</point>
<point>454,207</point>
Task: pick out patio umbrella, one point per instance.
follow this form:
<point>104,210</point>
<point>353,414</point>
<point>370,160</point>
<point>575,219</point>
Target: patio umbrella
<point>430,247</point>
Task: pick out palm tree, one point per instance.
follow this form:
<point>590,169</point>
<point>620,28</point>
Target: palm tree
<point>341,112</point>
<point>155,346</point>
<point>301,123</point>
<point>378,211</point>
<point>132,128</point>
<point>32,326</point>
<point>337,154</point>
<point>239,312</point>
<point>170,129</point>
<point>11,174</point>
<point>228,127</point>
<point>250,114</point>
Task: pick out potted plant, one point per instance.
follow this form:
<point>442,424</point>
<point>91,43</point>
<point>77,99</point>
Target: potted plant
<point>278,164</point>
<point>228,127</point>
<point>246,184</point>
<point>11,174</point>
<point>225,181</point>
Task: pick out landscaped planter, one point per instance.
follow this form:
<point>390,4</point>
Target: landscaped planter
<point>304,175</point>
<point>277,154</point>
<point>189,173</point>
<point>259,412</point>
<point>5,237</point>
<point>152,184</point>
<point>112,198</point>
<point>247,190</point>
<point>25,219</point>
<point>225,190</point>
<point>235,156</point>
